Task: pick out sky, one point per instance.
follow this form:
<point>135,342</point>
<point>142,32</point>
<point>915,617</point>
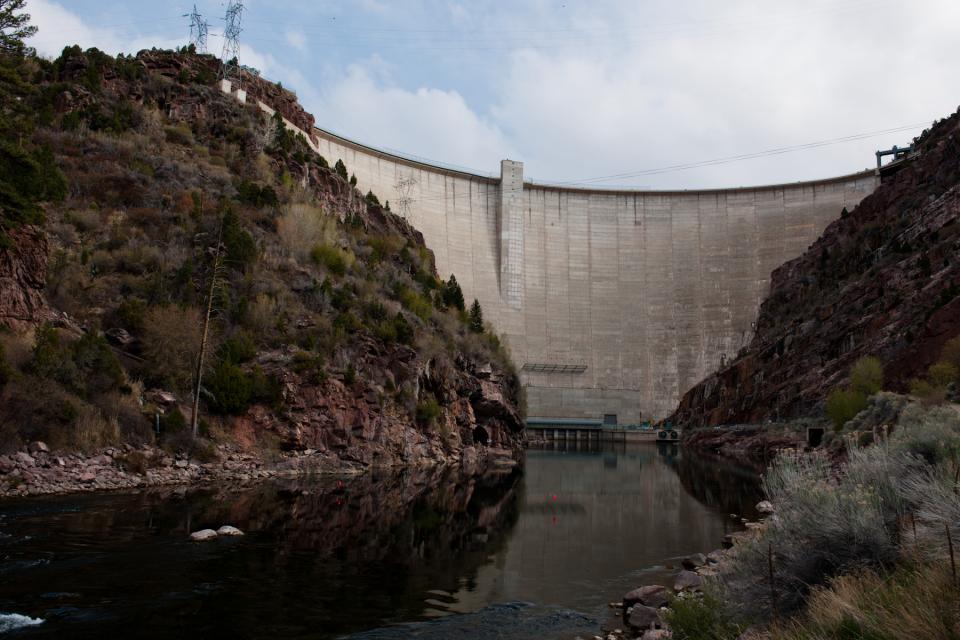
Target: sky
<point>659,94</point>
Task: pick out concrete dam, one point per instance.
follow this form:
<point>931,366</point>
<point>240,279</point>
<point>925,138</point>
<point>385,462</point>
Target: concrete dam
<point>613,302</point>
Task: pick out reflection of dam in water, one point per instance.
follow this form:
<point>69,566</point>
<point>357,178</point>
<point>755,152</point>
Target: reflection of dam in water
<point>595,523</point>
<point>323,557</point>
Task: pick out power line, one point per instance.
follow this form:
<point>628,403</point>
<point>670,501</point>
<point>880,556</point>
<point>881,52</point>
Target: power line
<point>596,181</point>
<point>744,156</point>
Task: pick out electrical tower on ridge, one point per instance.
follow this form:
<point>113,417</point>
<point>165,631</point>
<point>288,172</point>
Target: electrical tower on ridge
<point>231,41</point>
<point>198,30</point>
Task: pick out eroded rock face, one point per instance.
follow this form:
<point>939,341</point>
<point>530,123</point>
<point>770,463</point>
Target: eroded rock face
<point>362,423</point>
<point>23,273</point>
<point>882,281</point>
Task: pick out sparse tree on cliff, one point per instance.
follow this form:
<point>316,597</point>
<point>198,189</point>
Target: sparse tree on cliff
<point>14,27</point>
<point>453,294</point>
<point>476,317</point>
<point>341,169</point>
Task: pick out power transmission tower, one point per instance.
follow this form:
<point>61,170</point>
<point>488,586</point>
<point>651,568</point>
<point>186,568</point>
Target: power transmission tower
<point>404,187</point>
<point>198,30</point>
<point>231,41</point>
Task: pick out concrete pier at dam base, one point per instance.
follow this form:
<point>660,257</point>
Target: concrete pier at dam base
<point>613,303</point>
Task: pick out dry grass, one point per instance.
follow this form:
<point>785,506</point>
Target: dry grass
<point>303,226</point>
<point>93,430</point>
<point>916,601</point>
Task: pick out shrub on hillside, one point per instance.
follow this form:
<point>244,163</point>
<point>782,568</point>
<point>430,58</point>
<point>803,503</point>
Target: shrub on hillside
<point>428,410</point>
<point>302,227</point>
<point>171,344</point>
<point>336,260</point>
<point>843,405</point>
<point>822,529</point>
<point>232,390</point>
<point>932,433</point>
<point>867,376</point>
<point>916,601</point>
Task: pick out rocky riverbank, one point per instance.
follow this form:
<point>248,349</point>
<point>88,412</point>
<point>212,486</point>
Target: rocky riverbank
<point>645,611</point>
<point>751,445</point>
<point>36,470</point>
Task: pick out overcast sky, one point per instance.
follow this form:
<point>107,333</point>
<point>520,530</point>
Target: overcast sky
<point>583,89</point>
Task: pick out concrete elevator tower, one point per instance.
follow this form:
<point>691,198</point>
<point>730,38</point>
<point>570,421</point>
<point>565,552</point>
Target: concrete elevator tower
<point>511,233</point>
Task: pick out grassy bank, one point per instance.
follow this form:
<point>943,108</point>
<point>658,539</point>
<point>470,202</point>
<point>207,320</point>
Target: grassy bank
<point>859,551</point>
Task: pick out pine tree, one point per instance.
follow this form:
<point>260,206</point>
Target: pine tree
<point>341,169</point>
<point>453,294</point>
<point>476,317</point>
<point>14,28</point>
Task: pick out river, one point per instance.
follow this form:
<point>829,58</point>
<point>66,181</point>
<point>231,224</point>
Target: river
<point>536,553</point>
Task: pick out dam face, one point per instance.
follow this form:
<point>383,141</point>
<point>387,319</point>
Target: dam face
<point>612,303</point>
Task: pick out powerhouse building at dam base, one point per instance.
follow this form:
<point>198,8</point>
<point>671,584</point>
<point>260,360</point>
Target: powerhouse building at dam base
<point>613,303</point>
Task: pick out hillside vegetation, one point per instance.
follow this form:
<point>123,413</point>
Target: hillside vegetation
<point>330,328</point>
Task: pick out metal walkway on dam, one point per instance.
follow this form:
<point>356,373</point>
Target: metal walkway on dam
<point>589,430</point>
<point>611,302</point>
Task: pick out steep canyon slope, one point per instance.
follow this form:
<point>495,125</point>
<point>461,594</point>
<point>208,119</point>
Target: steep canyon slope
<point>883,280</point>
<point>331,330</point>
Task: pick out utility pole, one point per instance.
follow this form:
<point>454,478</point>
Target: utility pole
<point>198,30</point>
<point>231,41</point>
<point>194,419</point>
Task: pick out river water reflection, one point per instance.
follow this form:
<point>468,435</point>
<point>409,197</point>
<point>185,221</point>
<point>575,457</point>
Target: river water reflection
<point>423,554</point>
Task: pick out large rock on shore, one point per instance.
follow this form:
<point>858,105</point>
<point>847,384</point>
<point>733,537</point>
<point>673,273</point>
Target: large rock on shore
<point>643,617</point>
<point>654,595</point>
<point>687,581</point>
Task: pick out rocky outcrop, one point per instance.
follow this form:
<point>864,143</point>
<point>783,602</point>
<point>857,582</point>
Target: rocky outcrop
<point>23,273</point>
<point>882,280</point>
<point>363,423</point>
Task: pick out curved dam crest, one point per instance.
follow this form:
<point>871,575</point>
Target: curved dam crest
<point>613,302</point>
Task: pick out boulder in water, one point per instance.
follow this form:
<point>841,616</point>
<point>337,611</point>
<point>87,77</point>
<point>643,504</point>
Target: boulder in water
<point>227,530</point>
<point>203,534</point>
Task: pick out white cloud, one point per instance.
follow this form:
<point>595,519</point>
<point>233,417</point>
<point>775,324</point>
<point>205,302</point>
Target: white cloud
<point>731,82</point>
<point>58,27</point>
<point>296,39</point>
<point>432,123</point>
<point>601,88</point>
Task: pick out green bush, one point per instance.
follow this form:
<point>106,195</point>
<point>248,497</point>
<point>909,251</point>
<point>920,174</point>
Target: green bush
<point>238,348</point>
<point>701,619</point>
<point>254,195</point>
<point>335,259</point>
<point>942,374</point>
<point>230,389</point>
<point>6,371</point>
<point>241,249</point>
<point>843,405</point>
<point>867,376</point>
<point>428,410</point>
